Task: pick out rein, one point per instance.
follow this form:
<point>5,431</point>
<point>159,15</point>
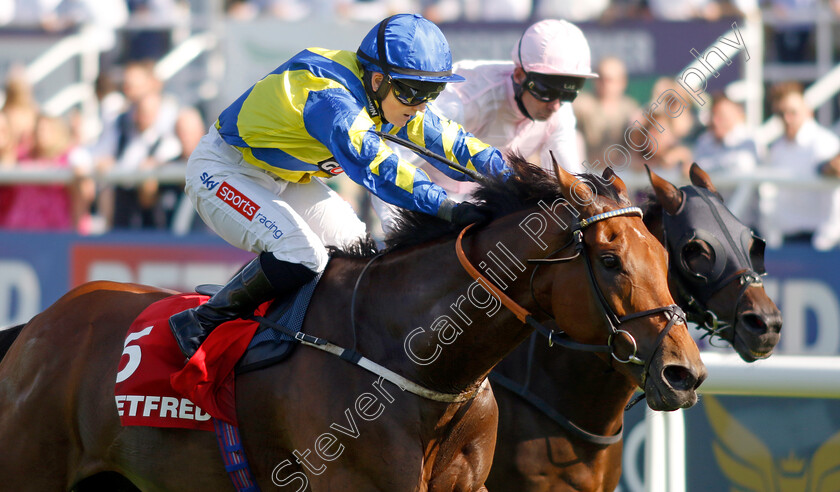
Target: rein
<point>673,311</point>
<point>704,317</point>
<point>547,410</point>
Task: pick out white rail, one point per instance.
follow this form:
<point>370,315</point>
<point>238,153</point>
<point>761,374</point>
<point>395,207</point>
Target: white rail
<point>780,375</point>
<point>183,54</point>
<point>168,173</point>
<point>59,53</point>
<point>86,47</point>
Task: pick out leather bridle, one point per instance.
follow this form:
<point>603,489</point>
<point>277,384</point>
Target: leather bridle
<point>703,218</point>
<point>614,322</point>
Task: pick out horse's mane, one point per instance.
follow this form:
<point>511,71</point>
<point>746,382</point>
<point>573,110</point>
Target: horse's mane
<point>527,186</point>
<point>651,208</point>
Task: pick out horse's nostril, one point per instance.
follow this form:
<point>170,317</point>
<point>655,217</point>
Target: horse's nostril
<point>680,378</point>
<point>754,323</point>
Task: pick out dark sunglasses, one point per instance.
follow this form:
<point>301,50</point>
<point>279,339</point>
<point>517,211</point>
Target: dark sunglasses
<point>548,88</point>
<point>415,92</point>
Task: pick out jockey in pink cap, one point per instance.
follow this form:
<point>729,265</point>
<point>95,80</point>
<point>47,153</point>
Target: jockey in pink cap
<point>522,106</point>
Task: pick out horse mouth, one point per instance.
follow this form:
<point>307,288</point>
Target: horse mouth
<point>749,352</point>
<point>755,337</point>
<point>669,401</point>
<point>675,388</point>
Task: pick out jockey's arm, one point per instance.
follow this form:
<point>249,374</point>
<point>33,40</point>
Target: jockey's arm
<point>449,139</point>
<point>367,159</point>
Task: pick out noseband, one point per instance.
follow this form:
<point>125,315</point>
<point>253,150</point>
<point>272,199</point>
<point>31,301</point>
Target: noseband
<point>614,322</point>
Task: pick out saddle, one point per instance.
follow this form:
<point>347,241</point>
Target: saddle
<point>269,345</point>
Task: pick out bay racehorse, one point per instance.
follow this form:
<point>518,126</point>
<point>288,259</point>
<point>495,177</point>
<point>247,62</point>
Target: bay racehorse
<point>417,313</point>
<point>715,266</point>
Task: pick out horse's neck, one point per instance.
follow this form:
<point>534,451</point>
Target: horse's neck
<point>440,328</point>
<point>582,386</point>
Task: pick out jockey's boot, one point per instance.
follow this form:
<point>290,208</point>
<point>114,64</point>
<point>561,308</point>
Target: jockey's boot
<point>249,288</point>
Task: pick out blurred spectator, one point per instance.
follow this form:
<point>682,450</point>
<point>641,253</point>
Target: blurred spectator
<point>111,103</point>
<point>727,145</point>
<point>137,143</point>
<point>682,125</point>
<point>740,8</point>
<point>662,151</point>
<point>8,150</point>
<point>21,110</point>
<point>125,144</point>
<point>572,11</point>
<point>44,207</point>
<point>8,159</point>
<point>139,80</point>
<point>683,10</point>
<point>189,128</point>
<point>32,13</point>
<point>476,10</point>
<point>800,215</point>
<point>603,117</point>
<point>294,10</point>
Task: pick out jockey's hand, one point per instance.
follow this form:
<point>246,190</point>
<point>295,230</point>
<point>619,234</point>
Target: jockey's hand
<point>466,213</point>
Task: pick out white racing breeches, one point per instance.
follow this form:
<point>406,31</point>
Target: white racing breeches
<point>257,211</point>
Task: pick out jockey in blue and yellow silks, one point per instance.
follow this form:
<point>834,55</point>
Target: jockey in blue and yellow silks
<point>255,177</point>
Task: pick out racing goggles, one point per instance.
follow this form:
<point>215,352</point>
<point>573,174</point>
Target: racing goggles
<point>415,92</point>
<point>548,88</point>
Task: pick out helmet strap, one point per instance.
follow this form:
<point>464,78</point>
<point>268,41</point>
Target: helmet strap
<point>517,95</point>
<point>375,97</point>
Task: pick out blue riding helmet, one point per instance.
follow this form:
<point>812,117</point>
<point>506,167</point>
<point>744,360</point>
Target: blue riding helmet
<point>408,47</point>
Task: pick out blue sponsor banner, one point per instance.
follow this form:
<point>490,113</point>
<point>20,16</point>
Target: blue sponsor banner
<point>805,286</point>
<point>38,268</point>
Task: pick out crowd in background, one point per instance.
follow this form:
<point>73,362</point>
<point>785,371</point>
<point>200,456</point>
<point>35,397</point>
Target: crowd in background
<point>141,126</point>
<point>719,141</point>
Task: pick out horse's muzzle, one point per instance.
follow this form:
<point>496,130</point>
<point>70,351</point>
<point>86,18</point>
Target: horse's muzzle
<point>675,387</point>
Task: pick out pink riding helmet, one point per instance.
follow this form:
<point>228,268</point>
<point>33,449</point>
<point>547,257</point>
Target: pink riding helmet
<point>554,47</point>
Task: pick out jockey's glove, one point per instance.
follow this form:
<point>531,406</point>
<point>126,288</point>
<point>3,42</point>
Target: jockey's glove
<point>464,213</point>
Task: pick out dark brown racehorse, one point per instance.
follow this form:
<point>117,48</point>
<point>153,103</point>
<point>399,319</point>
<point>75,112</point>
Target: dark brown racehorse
<point>417,314</point>
<point>535,453</point>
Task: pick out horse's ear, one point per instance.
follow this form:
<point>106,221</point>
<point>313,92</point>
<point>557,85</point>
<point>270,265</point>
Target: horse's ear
<point>700,178</point>
<point>577,191</point>
<point>611,177</point>
<point>667,194</point>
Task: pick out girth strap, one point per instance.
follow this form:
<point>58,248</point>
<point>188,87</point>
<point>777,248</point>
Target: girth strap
<point>553,414</point>
<point>354,357</point>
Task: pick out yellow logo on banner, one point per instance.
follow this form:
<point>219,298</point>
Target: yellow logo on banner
<point>750,467</point>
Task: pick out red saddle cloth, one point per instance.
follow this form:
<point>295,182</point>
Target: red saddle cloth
<point>155,388</point>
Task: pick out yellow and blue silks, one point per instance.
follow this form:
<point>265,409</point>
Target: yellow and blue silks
<point>309,116</point>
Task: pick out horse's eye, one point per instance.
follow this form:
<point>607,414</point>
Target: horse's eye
<point>611,261</point>
<point>699,258</point>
